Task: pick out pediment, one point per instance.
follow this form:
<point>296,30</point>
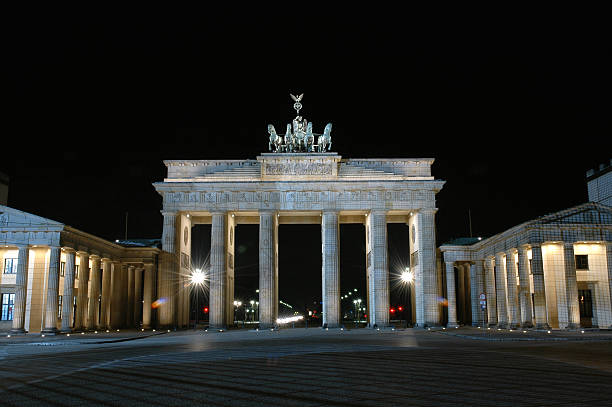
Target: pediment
<point>13,219</point>
<point>585,214</point>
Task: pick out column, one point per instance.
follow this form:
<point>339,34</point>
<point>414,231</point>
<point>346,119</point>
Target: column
<point>268,269</point>
<point>106,294</point>
<point>81,310</point>
<point>524,288</point>
<point>490,291</point>
<point>500,290</point>
<point>573,311</point>
<point>124,315</point>
<point>138,297</point>
<point>94,296</point>
<point>513,306</point>
<point>51,305</point>
<point>129,310</point>
<point>450,293</point>
<point>476,287</point>
<point>21,284</point>
<point>218,272</point>
<point>330,239</point>
<point>539,289</point>
<point>68,297</point>
<point>425,278</point>
<point>148,295</point>
<point>168,271</point>
<point>379,286</point>
<point>115,296</point>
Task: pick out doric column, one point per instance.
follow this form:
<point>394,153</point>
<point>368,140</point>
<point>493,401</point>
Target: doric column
<point>268,269</point>
<point>115,296</point>
<point>379,287</point>
<point>330,239</point>
<point>51,305</point>
<point>218,271</point>
<point>138,296</point>
<point>68,297</point>
<point>168,272</point>
<point>81,310</point>
<point>425,278</point>
<point>106,294</point>
<point>524,288</point>
<point>129,310</point>
<point>94,297</point>
<point>467,294</point>
<point>513,306</point>
<point>477,287</point>
<point>539,289</point>
<point>450,293</point>
<point>571,286</point>
<point>490,288</point>
<point>500,290</point>
<point>148,293</point>
<point>21,283</point>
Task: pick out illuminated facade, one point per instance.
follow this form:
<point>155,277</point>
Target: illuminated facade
<point>59,279</point>
<point>287,187</point>
<point>551,272</point>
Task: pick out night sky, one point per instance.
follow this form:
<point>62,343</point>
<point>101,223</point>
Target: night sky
<point>514,105</point>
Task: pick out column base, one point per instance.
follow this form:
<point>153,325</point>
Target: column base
<point>542,326</point>
<point>266,325</point>
<point>66,331</point>
<point>572,326</point>
<point>527,324</point>
<point>452,325</point>
<point>17,331</point>
<point>514,326</point>
<point>50,331</point>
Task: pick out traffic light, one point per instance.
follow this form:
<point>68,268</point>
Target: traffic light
<point>400,309</point>
<point>206,310</point>
<point>392,310</point>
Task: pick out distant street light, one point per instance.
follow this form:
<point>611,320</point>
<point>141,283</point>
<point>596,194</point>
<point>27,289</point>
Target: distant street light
<point>407,276</point>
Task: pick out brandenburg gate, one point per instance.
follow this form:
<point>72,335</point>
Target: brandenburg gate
<point>299,181</point>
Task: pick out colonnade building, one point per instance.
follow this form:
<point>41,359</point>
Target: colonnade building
<point>551,272</point>
<point>58,278</point>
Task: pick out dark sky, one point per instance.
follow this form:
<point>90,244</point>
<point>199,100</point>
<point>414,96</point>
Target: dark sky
<point>514,104</point>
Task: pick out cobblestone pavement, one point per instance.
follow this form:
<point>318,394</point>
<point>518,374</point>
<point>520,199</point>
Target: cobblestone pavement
<point>309,367</point>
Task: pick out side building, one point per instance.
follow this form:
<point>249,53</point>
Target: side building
<point>551,272</point>
<point>56,278</point>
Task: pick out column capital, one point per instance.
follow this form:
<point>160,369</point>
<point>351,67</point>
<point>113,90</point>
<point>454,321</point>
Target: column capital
<point>568,244</point>
<point>82,253</point>
<point>168,213</point>
<point>511,251</point>
<point>68,249</point>
<point>95,257</point>
<point>431,211</point>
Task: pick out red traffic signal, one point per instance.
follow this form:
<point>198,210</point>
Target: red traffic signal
<point>400,309</point>
<point>206,310</point>
<point>392,310</point>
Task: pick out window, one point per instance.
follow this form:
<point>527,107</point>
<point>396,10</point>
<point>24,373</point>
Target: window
<point>582,262</point>
<point>59,306</point>
<point>10,266</point>
<point>62,268</point>
<point>8,301</point>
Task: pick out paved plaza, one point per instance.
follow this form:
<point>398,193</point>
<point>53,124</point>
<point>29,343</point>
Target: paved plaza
<point>309,367</point>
